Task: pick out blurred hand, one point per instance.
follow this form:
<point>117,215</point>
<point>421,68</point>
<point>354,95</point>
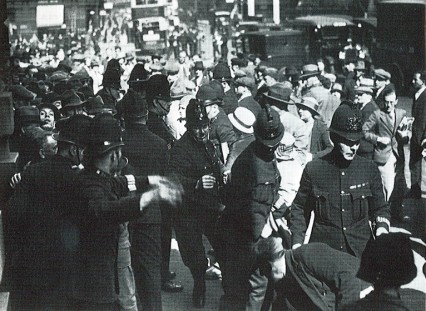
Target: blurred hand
<point>15,180</point>
<point>381,231</point>
<point>225,177</point>
<point>295,246</point>
<point>208,181</point>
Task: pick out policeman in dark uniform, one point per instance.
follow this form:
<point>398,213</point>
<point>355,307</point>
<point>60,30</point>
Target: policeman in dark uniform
<point>159,101</point>
<point>147,154</point>
<point>38,216</point>
<point>194,162</point>
<point>344,190</point>
<point>102,202</point>
<point>253,191</point>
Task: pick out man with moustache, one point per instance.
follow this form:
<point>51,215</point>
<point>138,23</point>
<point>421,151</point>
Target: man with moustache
<point>344,190</point>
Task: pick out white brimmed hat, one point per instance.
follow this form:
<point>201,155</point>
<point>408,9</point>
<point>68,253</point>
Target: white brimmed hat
<point>242,119</point>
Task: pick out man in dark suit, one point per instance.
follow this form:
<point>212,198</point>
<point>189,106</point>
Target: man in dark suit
<point>102,202</point>
<point>312,277</point>
<point>383,130</point>
<point>419,130</point>
<point>147,155</point>
<point>37,215</point>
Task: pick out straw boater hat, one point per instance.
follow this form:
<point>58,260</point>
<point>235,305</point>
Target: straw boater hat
<point>311,104</point>
<point>242,119</point>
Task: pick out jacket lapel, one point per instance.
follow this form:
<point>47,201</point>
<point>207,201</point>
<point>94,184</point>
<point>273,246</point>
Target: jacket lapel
<point>386,120</point>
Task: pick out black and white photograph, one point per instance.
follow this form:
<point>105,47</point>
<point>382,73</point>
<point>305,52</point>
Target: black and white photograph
<point>217,155</point>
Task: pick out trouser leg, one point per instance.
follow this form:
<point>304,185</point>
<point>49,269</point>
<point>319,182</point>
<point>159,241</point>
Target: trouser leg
<point>166,237</point>
<point>146,263</point>
<point>387,171</point>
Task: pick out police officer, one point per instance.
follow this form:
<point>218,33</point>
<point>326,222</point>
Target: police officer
<point>103,202</point>
<point>194,162</point>
<point>38,216</point>
<point>344,190</point>
<point>253,191</point>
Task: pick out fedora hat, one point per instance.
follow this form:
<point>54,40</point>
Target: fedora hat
<point>278,93</point>
<point>347,121</point>
<point>309,103</point>
<point>242,119</point>
<point>70,98</point>
<point>309,70</point>
<point>27,115</point>
<point>207,95</point>
<point>95,105</point>
<point>268,128</point>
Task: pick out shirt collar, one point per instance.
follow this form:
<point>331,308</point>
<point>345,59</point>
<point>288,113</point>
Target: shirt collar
<point>419,92</point>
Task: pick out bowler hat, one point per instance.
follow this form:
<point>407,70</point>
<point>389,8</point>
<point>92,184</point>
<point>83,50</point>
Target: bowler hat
<point>242,119</point>
<point>388,261</point>
<point>133,105</point>
<point>278,94</point>
<point>207,95</point>
<point>196,114</point>
<point>222,72</point>
<point>309,103</point>
<point>268,128</point>
<point>308,71</point>
<point>70,99</point>
<point>74,130</point>
<point>95,105</point>
<point>347,121</point>
<point>198,65</point>
<point>104,134</point>
<point>382,74</point>
<point>26,115</point>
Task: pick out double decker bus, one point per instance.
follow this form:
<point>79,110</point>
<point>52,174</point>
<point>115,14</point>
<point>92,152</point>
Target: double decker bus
<point>150,25</point>
<point>400,39</point>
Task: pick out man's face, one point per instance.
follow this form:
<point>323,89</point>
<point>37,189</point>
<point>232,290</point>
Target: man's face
<point>337,95</point>
<point>390,102</point>
<point>212,111</point>
<point>348,148</point>
<point>380,83</point>
<point>182,57</point>
<point>200,133</point>
<point>239,90</point>
<point>47,117</point>
<point>305,114</point>
<point>417,82</point>
<point>362,98</point>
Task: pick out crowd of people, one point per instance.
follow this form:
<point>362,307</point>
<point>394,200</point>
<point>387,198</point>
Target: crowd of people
<point>293,176</point>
